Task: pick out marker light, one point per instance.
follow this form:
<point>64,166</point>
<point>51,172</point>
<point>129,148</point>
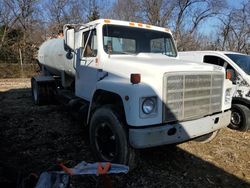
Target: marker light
<point>135,78</point>
<point>107,21</point>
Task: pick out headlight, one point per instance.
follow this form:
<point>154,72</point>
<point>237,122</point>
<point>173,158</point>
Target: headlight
<point>228,97</point>
<point>148,105</point>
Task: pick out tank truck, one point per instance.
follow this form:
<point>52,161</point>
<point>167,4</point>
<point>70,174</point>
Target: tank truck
<point>130,88</point>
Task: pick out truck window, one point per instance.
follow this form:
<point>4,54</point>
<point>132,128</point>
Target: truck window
<point>91,48</point>
<point>243,61</point>
<point>214,60</point>
<point>221,62</point>
<point>127,40</point>
<point>119,45</point>
<point>217,61</point>
<point>161,45</point>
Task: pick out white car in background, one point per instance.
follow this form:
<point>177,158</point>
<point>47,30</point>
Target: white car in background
<point>237,66</point>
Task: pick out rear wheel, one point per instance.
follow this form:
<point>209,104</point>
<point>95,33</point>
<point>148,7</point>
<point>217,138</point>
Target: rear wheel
<point>108,137</point>
<point>240,117</point>
<point>42,92</point>
<point>35,91</point>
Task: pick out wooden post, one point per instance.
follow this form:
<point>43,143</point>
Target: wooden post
<point>21,61</point>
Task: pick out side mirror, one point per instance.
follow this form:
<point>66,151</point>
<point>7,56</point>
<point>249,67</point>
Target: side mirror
<point>69,38</point>
<point>69,55</point>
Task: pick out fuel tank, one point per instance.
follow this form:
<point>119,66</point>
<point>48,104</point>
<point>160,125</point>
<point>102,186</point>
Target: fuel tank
<point>52,55</point>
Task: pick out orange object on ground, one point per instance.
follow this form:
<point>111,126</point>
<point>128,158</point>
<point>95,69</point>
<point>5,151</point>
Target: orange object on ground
<point>66,169</point>
<point>103,170</point>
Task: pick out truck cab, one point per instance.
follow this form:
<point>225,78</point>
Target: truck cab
<point>237,66</point>
<point>134,91</point>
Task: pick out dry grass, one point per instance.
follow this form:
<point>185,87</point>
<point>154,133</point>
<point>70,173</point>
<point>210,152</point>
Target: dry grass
<point>17,83</point>
<point>33,137</point>
<point>230,151</point>
<point>16,71</point>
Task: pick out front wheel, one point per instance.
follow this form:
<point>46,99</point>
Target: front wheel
<point>240,117</point>
<point>108,137</point>
<point>207,137</point>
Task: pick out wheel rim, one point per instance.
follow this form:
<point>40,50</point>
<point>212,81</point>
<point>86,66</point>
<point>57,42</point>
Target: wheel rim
<point>236,118</point>
<point>106,142</point>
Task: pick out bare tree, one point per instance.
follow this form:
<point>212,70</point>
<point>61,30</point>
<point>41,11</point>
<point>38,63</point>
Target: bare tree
<point>24,24</point>
<point>153,11</point>
<point>7,19</point>
<point>225,30</point>
<point>158,12</point>
<point>61,12</point>
<point>182,16</point>
<point>234,32</point>
<point>57,13</point>
<point>126,10</point>
<point>189,14</point>
<point>19,17</point>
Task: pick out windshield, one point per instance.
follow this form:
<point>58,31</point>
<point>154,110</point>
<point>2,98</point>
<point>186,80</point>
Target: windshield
<point>243,61</point>
<point>129,40</point>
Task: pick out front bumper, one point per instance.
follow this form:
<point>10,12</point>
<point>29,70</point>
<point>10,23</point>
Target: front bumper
<point>179,132</point>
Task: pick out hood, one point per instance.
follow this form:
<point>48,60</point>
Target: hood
<point>148,64</point>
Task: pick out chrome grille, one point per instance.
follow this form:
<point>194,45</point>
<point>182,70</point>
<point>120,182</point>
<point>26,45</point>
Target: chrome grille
<point>191,95</point>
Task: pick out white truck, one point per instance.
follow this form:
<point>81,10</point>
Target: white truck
<point>237,66</point>
<point>131,89</point>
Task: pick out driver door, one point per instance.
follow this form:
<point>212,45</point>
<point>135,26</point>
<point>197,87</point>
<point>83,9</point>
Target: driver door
<point>86,66</point>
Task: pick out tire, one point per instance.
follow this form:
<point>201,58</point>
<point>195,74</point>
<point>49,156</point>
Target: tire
<point>42,92</point>
<point>36,93</point>
<point>240,118</point>
<point>207,137</point>
<point>108,138</point>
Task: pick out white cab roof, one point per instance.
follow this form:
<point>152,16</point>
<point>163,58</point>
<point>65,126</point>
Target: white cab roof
<point>127,23</point>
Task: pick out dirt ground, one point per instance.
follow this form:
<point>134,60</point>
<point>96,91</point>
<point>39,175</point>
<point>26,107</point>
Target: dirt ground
<point>33,138</point>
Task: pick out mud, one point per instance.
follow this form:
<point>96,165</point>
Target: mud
<point>33,138</point>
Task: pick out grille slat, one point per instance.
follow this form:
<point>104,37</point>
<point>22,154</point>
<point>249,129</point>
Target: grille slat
<point>194,98</point>
<point>190,95</point>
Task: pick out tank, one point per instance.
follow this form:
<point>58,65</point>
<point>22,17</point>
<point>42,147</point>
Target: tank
<point>52,55</point>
